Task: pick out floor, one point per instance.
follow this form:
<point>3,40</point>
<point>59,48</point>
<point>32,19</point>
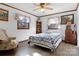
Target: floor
<point>24,49</point>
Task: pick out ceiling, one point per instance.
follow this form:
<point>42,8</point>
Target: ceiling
<point>57,7</point>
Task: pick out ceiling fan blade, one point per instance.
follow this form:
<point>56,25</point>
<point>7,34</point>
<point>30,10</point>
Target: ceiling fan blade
<point>48,3</point>
<point>49,8</point>
<point>36,9</point>
<point>35,4</point>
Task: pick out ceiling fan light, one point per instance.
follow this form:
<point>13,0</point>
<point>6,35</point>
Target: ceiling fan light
<point>42,10</point>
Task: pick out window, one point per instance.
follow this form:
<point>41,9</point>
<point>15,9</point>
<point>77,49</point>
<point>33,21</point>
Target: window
<point>53,23</point>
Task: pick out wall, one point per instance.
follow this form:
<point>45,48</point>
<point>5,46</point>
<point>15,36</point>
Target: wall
<point>11,25</point>
<point>78,26</point>
<point>63,27</point>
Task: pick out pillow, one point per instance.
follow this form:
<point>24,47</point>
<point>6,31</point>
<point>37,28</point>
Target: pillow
<point>3,35</point>
<point>49,31</point>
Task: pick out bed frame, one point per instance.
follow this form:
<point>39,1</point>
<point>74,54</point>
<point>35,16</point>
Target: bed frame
<point>55,45</point>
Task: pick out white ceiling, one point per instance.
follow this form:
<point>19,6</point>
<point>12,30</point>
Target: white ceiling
<point>57,7</point>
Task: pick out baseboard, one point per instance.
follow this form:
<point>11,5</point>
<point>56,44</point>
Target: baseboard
<point>70,43</point>
<point>23,41</point>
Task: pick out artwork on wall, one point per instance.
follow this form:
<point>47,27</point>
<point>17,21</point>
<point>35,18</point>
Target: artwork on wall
<point>22,21</point>
<point>53,23</point>
<point>67,18</point>
<point>3,15</point>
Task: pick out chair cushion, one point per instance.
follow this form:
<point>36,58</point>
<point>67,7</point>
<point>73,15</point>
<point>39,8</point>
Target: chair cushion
<point>8,45</point>
<point>3,35</point>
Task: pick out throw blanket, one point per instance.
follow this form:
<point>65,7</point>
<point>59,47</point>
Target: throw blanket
<point>46,37</point>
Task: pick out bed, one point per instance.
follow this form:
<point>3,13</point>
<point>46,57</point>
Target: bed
<point>47,40</point>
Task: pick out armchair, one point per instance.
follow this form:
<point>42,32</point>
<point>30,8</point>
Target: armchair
<point>7,43</point>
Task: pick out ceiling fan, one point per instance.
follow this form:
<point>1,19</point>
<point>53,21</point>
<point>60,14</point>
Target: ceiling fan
<point>42,6</point>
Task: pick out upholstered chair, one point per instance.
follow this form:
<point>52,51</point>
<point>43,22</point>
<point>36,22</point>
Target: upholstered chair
<point>7,43</point>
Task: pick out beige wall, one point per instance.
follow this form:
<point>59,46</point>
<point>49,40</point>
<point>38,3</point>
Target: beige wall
<point>78,27</point>
<point>11,25</point>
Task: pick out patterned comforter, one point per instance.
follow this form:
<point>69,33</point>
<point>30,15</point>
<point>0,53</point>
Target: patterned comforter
<point>45,37</point>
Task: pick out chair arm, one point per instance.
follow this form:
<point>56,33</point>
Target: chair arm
<point>12,38</point>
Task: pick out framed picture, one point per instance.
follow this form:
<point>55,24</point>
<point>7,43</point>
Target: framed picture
<point>23,22</point>
<point>66,18</point>
<point>3,15</point>
<point>53,23</point>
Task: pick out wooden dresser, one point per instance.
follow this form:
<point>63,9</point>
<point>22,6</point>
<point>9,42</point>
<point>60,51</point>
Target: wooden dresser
<point>70,36</point>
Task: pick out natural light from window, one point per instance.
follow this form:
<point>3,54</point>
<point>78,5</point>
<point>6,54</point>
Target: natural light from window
<point>54,23</point>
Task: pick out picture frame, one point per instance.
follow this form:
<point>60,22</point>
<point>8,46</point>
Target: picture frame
<point>53,23</point>
<point>23,22</point>
<point>66,18</point>
<point>3,15</point>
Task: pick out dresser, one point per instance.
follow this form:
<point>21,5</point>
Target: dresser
<point>70,36</point>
